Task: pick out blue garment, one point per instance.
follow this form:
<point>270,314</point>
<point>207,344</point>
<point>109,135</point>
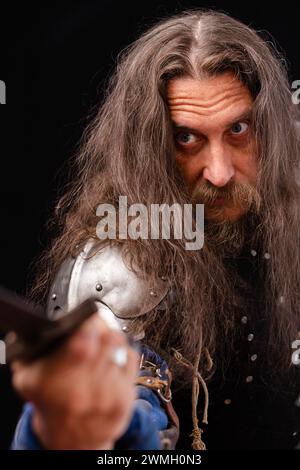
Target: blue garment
<point>24,438</point>
<point>147,420</point>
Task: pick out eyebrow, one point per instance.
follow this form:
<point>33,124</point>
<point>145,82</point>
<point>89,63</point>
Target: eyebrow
<point>244,116</point>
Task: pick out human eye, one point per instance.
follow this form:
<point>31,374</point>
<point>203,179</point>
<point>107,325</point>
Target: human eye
<point>185,138</point>
<point>239,128</point>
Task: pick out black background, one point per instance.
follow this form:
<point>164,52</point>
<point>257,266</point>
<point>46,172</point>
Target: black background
<point>54,59</point>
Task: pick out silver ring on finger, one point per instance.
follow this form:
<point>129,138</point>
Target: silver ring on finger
<point>120,356</point>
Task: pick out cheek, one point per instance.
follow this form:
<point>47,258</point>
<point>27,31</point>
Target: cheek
<point>249,164</point>
<point>247,168</point>
<point>189,167</point>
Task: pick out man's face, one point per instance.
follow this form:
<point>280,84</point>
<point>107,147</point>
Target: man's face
<point>214,141</point>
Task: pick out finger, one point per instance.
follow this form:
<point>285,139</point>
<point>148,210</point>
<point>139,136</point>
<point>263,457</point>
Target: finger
<point>118,383</point>
<point>26,379</point>
<point>117,388</point>
<point>112,342</point>
<point>85,342</point>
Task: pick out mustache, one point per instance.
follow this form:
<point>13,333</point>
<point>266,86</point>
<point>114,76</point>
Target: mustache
<point>238,194</point>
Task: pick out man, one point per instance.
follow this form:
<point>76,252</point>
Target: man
<point>200,111</point>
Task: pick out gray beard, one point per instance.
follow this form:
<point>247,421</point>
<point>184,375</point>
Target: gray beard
<point>227,239</point>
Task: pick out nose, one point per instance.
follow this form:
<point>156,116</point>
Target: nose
<point>219,169</point>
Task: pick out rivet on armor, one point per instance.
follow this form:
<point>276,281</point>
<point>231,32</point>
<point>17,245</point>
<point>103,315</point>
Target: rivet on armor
<point>153,294</point>
<point>249,379</point>
<point>53,296</point>
<point>253,252</point>
<point>244,319</point>
<point>149,381</point>
<point>250,337</point>
<point>163,278</point>
<point>267,256</point>
<point>124,328</point>
<point>99,287</point>
<point>253,357</point>
<point>227,401</point>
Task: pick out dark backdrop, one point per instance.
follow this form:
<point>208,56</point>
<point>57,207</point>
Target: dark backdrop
<point>54,60</point>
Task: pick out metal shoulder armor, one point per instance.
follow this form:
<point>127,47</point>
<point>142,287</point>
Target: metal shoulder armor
<point>103,274</point>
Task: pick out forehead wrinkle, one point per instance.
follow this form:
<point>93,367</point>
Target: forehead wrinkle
<point>193,120</point>
<point>193,104</point>
<point>207,94</point>
<point>205,104</point>
<point>212,111</point>
<point>210,85</point>
<point>217,93</point>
